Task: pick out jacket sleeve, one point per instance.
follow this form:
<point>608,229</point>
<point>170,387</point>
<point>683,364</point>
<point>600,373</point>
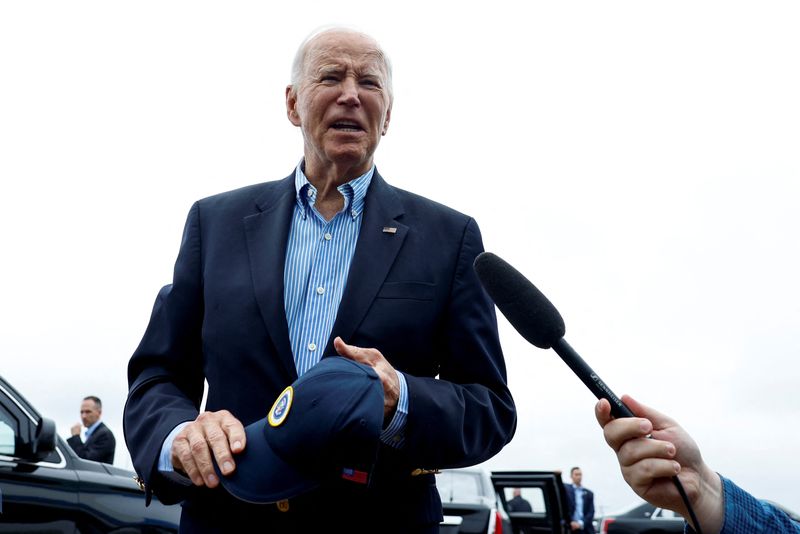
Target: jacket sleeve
<point>467,415</point>
<point>744,514</point>
<point>165,380</point>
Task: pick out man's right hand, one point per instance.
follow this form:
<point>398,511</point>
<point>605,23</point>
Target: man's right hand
<point>218,433</point>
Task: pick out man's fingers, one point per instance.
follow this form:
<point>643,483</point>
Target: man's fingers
<point>602,412</point>
<point>202,458</point>
<point>642,475</point>
<point>236,435</point>
<point>658,419</point>
<point>636,450</point>
<point>183,458</point>
<point>226,436</point>
<point>384,370</point>
<point>212,433</point>
<point>351,351</point>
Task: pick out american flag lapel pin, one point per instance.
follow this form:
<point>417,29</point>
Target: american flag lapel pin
<point>389,230</point>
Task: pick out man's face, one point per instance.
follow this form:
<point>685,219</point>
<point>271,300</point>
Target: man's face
<point>577,476</point>
<point>89,413</point>
<point>341,103</point>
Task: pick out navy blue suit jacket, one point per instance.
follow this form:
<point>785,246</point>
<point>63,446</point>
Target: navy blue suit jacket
<point>412,294</point>
<point>588,507</point>
<point>99,446</point>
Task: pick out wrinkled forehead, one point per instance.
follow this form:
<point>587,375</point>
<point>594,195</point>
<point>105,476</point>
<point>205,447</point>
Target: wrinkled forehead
<point>342,50</point>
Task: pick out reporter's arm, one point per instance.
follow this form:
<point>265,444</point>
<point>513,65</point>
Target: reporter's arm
<point>744,514</point>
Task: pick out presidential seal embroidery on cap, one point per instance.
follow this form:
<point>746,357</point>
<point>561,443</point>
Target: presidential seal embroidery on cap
<point>280,409</point>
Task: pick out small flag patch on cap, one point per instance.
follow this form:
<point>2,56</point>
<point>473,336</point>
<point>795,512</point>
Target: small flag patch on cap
<point>352,475</point>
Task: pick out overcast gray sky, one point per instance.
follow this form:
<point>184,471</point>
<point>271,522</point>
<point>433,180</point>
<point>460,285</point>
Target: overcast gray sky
<point>638,161</point>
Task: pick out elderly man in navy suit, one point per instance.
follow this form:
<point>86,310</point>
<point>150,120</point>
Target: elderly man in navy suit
<point>331,260</point>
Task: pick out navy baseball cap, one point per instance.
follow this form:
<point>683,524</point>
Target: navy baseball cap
<point>326,425</point>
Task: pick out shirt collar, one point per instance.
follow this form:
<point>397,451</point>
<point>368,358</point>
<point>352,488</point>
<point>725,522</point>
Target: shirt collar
<point>92,428</point>
<point>353,191</point>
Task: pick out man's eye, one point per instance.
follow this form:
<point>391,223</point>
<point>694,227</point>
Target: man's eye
<point>328,78</point>
<point>370,82</point>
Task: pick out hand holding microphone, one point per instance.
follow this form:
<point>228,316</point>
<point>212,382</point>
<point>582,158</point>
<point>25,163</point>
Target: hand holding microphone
<point>539,322</point>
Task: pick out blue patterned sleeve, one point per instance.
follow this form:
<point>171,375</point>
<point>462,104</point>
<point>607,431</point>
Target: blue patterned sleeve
<point>393,435</point>
<point>744,514</point>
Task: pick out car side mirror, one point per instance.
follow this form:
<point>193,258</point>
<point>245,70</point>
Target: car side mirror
<point>45,440</point>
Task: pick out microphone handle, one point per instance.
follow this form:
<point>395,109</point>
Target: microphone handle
<point>618,408</point>
<point>590,378</point>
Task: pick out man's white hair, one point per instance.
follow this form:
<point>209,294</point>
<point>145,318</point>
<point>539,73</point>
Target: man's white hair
<point>299,63</point>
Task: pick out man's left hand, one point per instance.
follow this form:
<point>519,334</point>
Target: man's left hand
<point>384,370</point>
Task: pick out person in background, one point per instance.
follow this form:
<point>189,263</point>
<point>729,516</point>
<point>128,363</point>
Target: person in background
<point>272,277</point>
<point>99,444</point>
<point>648,465</point>
<point>581,504</point>
<point>517,503</point>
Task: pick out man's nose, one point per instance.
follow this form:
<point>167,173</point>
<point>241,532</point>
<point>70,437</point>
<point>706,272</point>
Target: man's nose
<point>349,95</point>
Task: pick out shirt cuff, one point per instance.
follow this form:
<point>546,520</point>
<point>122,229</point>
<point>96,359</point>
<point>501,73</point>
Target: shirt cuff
<point>165,459</point>
<point>393,435</point>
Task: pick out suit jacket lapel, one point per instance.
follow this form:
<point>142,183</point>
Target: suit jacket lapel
<point>267,235</point>
<point>375,253</point>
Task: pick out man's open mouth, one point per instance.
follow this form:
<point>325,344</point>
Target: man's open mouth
<point>347,126</point>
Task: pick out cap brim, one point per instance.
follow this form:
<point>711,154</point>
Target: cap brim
<point>261,476</point>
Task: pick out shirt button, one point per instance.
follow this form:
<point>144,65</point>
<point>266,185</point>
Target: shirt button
<point>328,237</point>
<point>353,213</point>
<point>309,192</point>
<point>320,290</point>
<point>312,346</point>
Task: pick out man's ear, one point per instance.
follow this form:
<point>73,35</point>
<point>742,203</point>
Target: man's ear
<point>291,105</point>
<point>386,120</point>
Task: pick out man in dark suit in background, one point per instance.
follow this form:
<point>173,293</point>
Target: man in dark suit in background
<point>581,503</point>
<point>330,260</point>
<point>100,443</point>
<point>518,503</point>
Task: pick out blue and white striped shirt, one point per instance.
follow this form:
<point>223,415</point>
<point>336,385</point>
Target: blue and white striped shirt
<point>318,257</point>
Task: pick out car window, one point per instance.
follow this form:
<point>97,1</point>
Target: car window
<point>8,431</point>
<point>533,496</point>
<point>457,486</point>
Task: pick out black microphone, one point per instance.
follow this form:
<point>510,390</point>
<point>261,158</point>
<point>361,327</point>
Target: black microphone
<point>538,321</point>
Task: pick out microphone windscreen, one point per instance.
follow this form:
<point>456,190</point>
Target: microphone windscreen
<point>525,307</point>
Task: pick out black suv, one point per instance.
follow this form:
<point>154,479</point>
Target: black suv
<point>475,501</point>
<point>46,487</point>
